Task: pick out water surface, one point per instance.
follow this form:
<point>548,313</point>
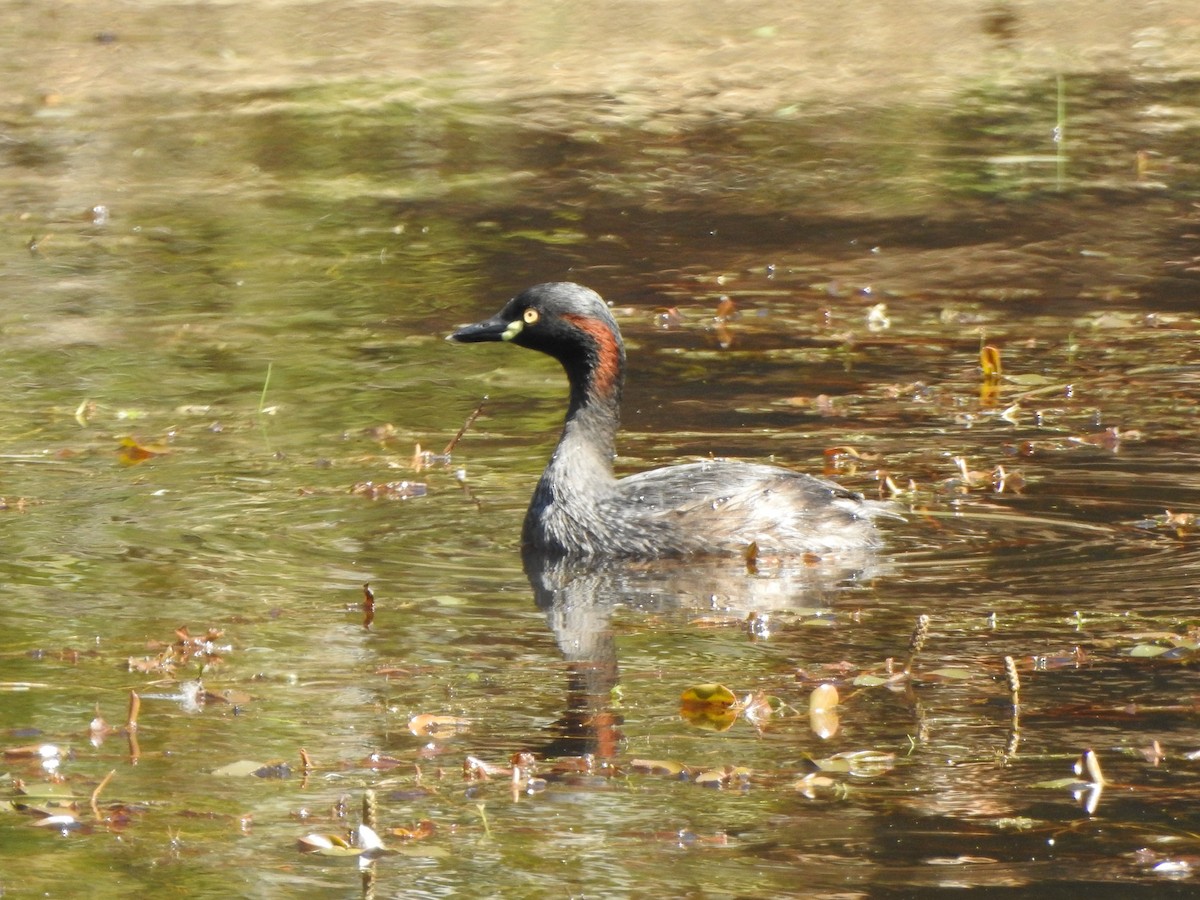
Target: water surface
<point>236,237</point>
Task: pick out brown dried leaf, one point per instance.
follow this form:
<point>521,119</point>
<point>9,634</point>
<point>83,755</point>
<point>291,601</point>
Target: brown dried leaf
<point>423,829</point>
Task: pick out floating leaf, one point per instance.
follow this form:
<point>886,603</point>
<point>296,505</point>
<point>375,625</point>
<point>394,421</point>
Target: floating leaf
<point>862,763</point>
<point>240,769</point>
<point>430,725</point>
<point>823,716</point>
<point>711,778</point>
<point>228,695</point>
<point>956,672</point>
<point>327,845</point>
<point>708,706</point>
<point>723,777</point>
<point>62,820</point>
<point>1148,650</point>
<point>824,697</point>
<point>423,829</point>
<point>657,766</point>
<point>369,839</point>
<point>708,695</point>
<point>814,783</point>
<point>868,680</point>
<point>709,718</point>
<point>130,451</point>
<point>1028,379</point>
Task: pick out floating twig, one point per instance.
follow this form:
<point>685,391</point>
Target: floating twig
<point>96,793</point>
<point>368,606</point>
<point>467,424</point>
<point>135,705</point>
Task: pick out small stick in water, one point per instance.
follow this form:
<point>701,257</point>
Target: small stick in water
<point>135,704</point>
<point>916,643</point>
<point>368,606</point>
<point>96,793</point>
<point>467,424</point>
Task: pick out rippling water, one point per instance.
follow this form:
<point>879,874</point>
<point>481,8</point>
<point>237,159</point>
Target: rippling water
<point>237,234</point>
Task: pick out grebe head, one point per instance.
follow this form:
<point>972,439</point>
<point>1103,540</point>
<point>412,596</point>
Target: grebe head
<point>564,320</point>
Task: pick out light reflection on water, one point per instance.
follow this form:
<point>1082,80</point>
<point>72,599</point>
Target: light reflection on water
<point>331,208</point>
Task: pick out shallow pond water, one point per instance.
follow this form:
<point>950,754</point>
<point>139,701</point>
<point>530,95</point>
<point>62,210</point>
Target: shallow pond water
<point>237,234</point>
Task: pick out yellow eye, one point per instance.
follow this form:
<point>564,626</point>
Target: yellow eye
<point>530,316</point>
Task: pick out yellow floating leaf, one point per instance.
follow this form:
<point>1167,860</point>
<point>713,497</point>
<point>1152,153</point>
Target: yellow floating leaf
<point>430,725</point>
<point>708,706</point>
<point>824,697</point>
<point>708,695</point>
<point>824,722</point>
<point>708,717</point>
<point>130,451</point>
